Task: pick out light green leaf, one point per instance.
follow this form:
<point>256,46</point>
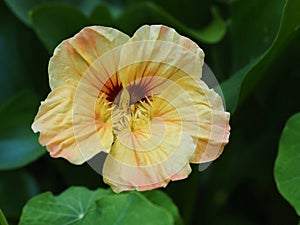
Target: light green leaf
<point>214,32</point>
<point>3,220</point>
<point>159,198</point>
<point>238,87</point>
<point>55,22</point>
<point>18,144</point>
<point>81,206</point>
<point>132,208</point>
<point>138,14</point>
<point>74,206</point>
<point>287,165</point>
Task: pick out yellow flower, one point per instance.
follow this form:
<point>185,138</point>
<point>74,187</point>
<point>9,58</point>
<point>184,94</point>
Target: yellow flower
<point>141,100</point>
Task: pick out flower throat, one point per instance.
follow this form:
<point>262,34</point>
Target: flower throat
<point>129,117</point>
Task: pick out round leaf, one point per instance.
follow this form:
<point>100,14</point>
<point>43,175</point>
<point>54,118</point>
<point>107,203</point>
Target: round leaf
<point>287,165</point>
<point>80,206</point>
<point>132,208</point>
<point>159,198</point>
<point>74,206</point>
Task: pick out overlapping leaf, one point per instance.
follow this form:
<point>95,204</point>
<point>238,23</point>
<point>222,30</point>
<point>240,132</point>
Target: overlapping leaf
<point>22,9</point>
<point>146,12</point>
<point>258,60</point>
<point>160,198</point>
<point>18,144</point>
<point>65,22</point>
<point>76,15</point>
<point>79,205</point>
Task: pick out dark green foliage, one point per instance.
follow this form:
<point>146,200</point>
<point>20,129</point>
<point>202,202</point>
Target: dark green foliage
<point>254,49</point>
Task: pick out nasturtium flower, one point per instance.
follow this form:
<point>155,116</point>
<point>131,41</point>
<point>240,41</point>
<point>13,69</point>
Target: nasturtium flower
<point>141,100</point>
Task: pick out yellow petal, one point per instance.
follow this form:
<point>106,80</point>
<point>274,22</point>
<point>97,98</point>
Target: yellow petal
<point>75,55</point>
<point>215,135</point>
<point>148,159</point>
<point>183,173</point>
<point>159,51</point>
<point>198,110</point>
<point>58,123</point>
<point>54,122</point>
<point>91,123</point>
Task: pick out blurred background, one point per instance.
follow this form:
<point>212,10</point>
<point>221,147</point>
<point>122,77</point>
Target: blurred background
<point>253,48</point>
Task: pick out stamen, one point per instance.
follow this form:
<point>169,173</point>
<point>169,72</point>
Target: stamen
<point>101,108</point>
<point>131,117</point>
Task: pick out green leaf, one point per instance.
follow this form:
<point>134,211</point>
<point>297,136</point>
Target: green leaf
<point>195,14</point>
<point>81,206</point>
<point>86,7</point>
<point>262,24</point>
<point>159,198</point>
<point>132,208</point>
<point>16,188</point>
<point>10,78</point>
<point>22,8</point>
<point>3,220</point>
<point>54,23</point>
<point>22,58</point>
<point>74,206</point>
<point>238,87</point>
<point>138,14</point>
<point>214,32</point>
<point>287,165</point>
<point>232,87</point>
<point>18,144</point>
<point>102,15</point>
